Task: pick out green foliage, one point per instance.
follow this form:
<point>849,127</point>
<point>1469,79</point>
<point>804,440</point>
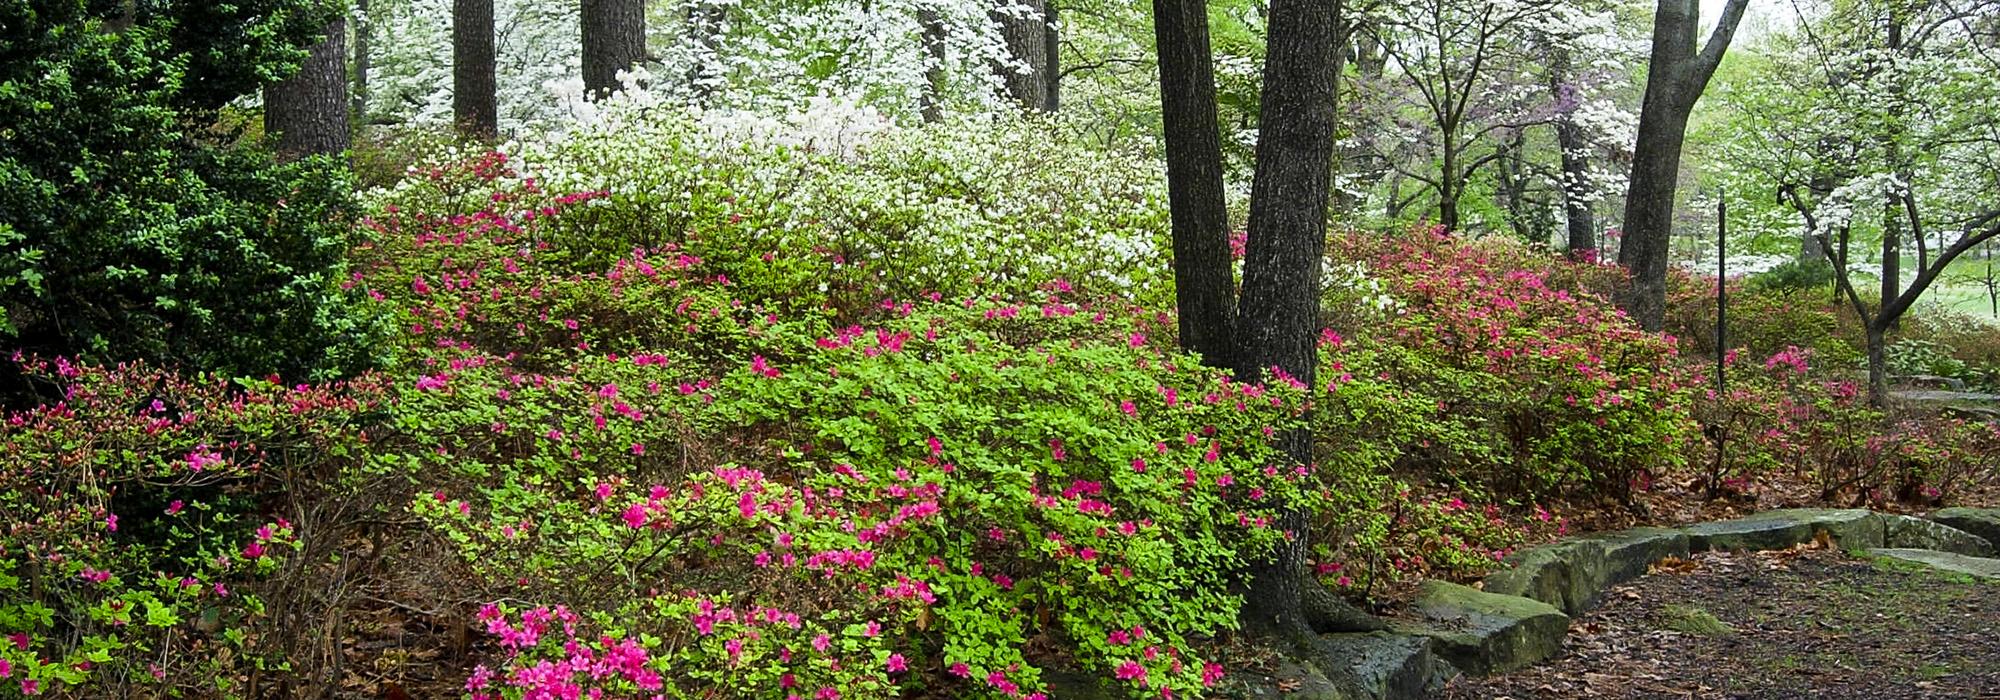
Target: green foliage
<point>1914,356</point>
<point>127,235</point>
<point>1796,275</point>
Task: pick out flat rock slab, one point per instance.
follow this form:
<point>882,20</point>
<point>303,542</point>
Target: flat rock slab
<point>1628,554</point>
<point>1905,532</point>
<point>1780,529</point>
<point>1483,633</point>
<point>1978,567</point>
<point>1984,522</point>
<point>1569,575</point>
<point>1386,665</point>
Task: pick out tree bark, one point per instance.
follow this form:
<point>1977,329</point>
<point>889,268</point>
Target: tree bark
<point>308,111</point>
<point>1278,315</point>
<point>931,104</point>
<point>1026,38</point>
<point>1204,285</point>
<point>614,39</point>
<point>474,99</point>
<point>1448,184</point>
<point>1676,77</point>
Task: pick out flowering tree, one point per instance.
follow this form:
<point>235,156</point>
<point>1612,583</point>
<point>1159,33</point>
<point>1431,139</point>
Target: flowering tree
<point>1447,52</point>
<point>1450,94</point>
<point>1873,124</point>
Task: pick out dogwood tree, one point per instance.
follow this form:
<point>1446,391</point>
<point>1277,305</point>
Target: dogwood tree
<point>1873,123</point>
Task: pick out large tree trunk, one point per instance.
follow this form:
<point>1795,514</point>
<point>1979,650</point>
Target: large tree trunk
<point>1449,187</point>
<point>1675,79</point>
<point>931,103</point>
<point>1278,316</point>
<point>1649,209</point>
<point>614,39</point>
<point>308,111</point>
<point>1026,37</point>
<point>474,101</point>
<point>1204,285</point>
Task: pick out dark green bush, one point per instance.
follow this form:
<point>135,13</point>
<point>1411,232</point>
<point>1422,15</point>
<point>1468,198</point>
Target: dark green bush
<point>131,229</point>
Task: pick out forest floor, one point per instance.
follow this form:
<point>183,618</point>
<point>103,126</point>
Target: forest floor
<point>1802,623</point>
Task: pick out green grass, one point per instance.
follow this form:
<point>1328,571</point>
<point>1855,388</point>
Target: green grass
<point>1691,619</point>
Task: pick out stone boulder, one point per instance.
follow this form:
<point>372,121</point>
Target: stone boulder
<point>1385,665</point>
<point>1780,529</point>
<point>1905,532</point>
<point>1484,633</point>
<point>1984,522</point>
<point>1569,575</point>
<point>1628,554</point>
<point>1977,567</point>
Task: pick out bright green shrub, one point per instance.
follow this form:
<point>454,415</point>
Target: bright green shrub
<point>659,455</point>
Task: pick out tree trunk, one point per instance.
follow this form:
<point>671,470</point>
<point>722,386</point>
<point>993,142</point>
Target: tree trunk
<point>1521,213</point>
<point>1892,253</point>
<point>1878,364</point>
<point>308,111</point>
<point>704,26</point>
<point>1052,54</point>
<point>1448,191</point>
<point>1204,284</point>
<point>1026,37</point>
<point>1278,315</point>
<point>1577,206</point>
<point>364,39</point>
<point>931,103</point>
<point>1649,209</point>
<point>614,39</point>
<point>1676,76</point>
<point>474,103</point>
<point>1357,160</point>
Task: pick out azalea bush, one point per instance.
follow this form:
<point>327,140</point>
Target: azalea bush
<point>1785,418</point>
<point>922,502</point>
<point>831,205</point>
<point>715,490</point>
<point>176,533</point>
<point>1485,372</point>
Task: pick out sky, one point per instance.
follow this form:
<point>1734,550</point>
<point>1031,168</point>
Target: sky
<point>1761,17</point>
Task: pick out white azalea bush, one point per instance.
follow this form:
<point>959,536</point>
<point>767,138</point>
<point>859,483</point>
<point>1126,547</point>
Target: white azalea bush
<point>835,205</point>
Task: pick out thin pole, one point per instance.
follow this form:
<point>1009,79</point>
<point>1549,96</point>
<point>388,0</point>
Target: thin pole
<point>1721,290</point>
<point>1721,325</point>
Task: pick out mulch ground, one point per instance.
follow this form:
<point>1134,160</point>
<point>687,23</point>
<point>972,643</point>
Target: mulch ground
<point>1806,623</point>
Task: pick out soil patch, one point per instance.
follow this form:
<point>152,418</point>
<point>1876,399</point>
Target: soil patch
<point>1801,623</point>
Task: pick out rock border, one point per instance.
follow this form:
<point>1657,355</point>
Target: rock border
<point>1520,615</point>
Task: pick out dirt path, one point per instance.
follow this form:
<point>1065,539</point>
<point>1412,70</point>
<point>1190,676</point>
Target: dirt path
<point>1803,624</point>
